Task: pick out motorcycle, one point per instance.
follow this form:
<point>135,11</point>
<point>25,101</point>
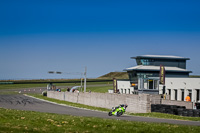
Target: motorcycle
<point>119,110</point>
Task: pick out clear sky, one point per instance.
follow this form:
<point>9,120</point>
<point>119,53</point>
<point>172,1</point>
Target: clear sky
<point>37,36</point>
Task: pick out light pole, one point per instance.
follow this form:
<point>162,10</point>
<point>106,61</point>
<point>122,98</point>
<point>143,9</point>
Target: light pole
<point>85,79</point>
<point>74,73</point>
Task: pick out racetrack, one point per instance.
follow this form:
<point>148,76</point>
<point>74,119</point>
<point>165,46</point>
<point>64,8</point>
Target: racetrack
<point>22,102</point>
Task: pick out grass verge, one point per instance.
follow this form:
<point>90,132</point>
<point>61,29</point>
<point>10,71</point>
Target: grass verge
<point>166,116</point>
<point>28,121</point>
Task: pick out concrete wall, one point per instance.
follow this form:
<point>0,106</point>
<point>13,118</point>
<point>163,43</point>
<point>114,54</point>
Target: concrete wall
<point>136,103</point>
<point>155,99</point>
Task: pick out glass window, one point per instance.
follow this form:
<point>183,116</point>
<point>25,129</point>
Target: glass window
<point>156,84</point>
<point>145,84</point>
<point>151,85</point>
<point>138,62</point>
<point>145,62</point>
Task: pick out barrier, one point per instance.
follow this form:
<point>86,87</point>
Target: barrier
<point>136,103</point>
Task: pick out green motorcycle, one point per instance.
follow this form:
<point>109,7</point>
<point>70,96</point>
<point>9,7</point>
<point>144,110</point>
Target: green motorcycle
<point>119,110</point>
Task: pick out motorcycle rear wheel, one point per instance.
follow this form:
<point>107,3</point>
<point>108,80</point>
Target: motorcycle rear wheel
<point>109,113</point>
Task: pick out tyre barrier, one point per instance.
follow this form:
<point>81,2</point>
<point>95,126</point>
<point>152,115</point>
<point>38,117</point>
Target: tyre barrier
<point>175,110</point>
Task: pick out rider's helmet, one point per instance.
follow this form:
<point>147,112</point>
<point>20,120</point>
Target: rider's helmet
<point>121,105</point>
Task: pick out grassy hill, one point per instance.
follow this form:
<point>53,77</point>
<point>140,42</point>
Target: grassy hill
<point>117,75</point>
<point>194,76</point>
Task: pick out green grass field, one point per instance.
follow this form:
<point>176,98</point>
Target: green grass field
<point>16,121</point>
<point>99,89</point>
<point>16,86</point>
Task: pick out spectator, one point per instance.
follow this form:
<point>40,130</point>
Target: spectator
<point>188,98</point>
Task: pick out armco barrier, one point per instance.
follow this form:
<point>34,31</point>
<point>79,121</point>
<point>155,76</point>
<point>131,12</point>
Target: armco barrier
<point>136,103</point>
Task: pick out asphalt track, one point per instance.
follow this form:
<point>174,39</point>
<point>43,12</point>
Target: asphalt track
<point>22,102</point>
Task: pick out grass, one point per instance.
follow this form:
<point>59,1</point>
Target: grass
<point>117,75</point>
<point>153,114</point>
<point>99,89</point>
<point>79,84</point>
<point>166,116</point>
<point>17,86</point>
<point>28,121</point>
<point>9,92</point>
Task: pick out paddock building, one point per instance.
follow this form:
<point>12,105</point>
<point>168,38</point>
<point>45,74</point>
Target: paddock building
<point>145,78</point>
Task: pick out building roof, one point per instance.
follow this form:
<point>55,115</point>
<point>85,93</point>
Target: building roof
<point>161,57</point>
<point>156,68</point>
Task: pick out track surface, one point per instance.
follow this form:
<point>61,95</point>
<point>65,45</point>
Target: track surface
<point>22,102</point>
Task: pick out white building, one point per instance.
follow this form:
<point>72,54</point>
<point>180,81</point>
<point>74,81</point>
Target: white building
<point>124,87</point>
<point>179,88</point>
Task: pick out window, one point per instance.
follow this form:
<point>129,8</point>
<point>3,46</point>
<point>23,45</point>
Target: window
<point>182,94</point>
<point>133,76</point>
<point>175,91</point>
<point>151,85</point>
<point>144,62</point>
<point>138,62</point>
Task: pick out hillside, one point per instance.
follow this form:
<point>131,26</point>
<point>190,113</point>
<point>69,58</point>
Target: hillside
<point>194,76</point>
<point>117,75</point>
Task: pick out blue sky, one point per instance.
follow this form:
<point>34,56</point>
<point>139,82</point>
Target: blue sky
<point>38,36</point>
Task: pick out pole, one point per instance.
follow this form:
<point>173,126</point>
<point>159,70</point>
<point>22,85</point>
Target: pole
<point>81,81</point>
<point>85,79</point>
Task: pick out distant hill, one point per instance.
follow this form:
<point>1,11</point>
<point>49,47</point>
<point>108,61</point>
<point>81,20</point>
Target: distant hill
<point>194,76</point>
<point>117,75</point>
